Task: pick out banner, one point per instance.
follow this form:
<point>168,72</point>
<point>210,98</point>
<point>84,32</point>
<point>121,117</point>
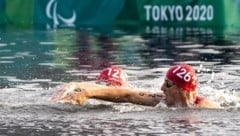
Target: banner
<point>223,15</point>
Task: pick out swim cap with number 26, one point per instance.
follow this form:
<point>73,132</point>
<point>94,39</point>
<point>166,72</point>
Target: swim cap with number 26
<point>183,76</point>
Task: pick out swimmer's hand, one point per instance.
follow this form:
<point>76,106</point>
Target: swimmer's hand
<point>78,97</point>
<point>70,93</point>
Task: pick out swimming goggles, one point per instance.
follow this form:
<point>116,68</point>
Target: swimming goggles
<point>169,84</point>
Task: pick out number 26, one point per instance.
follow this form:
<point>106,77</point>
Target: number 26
<point>182,73</point>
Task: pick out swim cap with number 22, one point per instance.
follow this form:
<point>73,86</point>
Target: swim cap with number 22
<point>114,75</point>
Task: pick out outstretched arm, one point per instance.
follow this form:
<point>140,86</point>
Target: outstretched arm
<point>83,91</point>
<point>121,94</point>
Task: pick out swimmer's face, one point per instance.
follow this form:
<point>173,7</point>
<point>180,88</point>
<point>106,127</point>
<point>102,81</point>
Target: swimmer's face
<point>172,95</point>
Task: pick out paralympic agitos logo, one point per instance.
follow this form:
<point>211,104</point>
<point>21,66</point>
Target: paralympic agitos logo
<point>51,12</point>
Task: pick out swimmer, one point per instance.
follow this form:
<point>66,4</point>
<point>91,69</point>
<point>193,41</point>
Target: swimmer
<point>179,90</point>
<point>113,76</point>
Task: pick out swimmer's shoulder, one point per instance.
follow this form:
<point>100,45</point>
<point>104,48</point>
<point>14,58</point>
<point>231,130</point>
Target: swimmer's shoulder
<point>206,103</point>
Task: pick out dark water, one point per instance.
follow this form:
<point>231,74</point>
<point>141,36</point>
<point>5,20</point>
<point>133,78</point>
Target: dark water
<point>34,63</point>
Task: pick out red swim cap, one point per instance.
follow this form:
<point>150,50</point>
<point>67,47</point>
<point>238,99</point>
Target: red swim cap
<point>183,76</point>
<point>113,75</point>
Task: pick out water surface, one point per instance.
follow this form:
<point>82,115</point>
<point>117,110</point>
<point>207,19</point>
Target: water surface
<point>34,63</point>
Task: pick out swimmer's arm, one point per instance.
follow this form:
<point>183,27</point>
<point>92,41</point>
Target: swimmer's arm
<point>78,93</point>
<point>206,103</point>
<point>126,95</point>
